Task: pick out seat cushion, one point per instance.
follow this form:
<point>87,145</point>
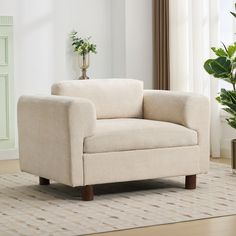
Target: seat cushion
<point>113,135</point>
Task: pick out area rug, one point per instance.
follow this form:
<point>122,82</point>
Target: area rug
<point>29,209</point>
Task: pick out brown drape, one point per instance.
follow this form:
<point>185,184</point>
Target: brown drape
<point>161,44</point>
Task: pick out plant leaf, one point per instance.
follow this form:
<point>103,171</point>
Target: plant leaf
<point>232,13</point>
<point>221,65</point>
<point>219,52</point>
<point>224,47</point>
<point>207,66</point>
<point>231,50</point>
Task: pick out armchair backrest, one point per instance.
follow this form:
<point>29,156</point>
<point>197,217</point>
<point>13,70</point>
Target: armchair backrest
<point>113,98</point>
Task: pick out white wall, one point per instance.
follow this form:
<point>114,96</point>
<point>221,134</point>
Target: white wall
<point>133,40</point>
<point>139,41</point>
<point>122,30</point>
<point>118,33</point>
<point>43,54</point>
<point>42,49</point>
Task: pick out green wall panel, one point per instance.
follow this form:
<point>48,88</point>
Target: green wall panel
<point>7,136</point>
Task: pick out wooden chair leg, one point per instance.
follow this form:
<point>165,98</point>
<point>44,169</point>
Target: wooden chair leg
<point>190,181</point>
<point>87,193</point>
<point>43,181</point>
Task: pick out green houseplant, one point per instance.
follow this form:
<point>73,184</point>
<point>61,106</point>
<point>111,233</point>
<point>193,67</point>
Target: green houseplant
<point>83,47</point>
<point>224,67</point>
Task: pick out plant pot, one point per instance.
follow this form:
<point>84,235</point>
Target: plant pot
<point>233,155</point>
<point>84,64</point>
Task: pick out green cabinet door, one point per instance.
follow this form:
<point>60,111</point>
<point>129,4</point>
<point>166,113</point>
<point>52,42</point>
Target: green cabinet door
<point>7,136</point>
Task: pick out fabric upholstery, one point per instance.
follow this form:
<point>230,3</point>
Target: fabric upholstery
<point>187,109</point>
<point>51,132</point>
<point>140,164</point>
<point>111,130</point>
<point>113,98</point>
<point>114,135</point>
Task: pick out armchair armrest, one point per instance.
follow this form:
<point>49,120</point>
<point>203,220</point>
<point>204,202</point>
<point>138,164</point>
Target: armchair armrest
<point>187,109</point>
<point>51,133</point>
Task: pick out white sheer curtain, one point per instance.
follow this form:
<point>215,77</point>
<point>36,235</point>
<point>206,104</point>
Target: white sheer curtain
<point>194,28</point>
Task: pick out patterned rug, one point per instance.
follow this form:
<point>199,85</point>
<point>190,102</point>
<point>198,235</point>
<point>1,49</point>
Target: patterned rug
<point>29,209</point>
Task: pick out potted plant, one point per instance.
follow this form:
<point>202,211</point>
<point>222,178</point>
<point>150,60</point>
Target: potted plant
<point>83,47</point>
<point>224,67</point>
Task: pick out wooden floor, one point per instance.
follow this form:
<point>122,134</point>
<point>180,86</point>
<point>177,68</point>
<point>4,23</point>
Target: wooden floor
<point>9,166</point>
<point>221,226</point>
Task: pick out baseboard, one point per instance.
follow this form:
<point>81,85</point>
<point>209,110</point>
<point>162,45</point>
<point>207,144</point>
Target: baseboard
<point>9,154</point>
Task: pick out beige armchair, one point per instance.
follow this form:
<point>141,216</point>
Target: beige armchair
<point>111,130</point>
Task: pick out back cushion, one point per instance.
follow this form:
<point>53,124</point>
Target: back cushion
<point>113,98</point>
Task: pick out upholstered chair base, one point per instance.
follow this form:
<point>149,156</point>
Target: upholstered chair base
<point>43,181</point>
<point>190,181</point>
<point>102,131</point>
<point>87,193</point>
